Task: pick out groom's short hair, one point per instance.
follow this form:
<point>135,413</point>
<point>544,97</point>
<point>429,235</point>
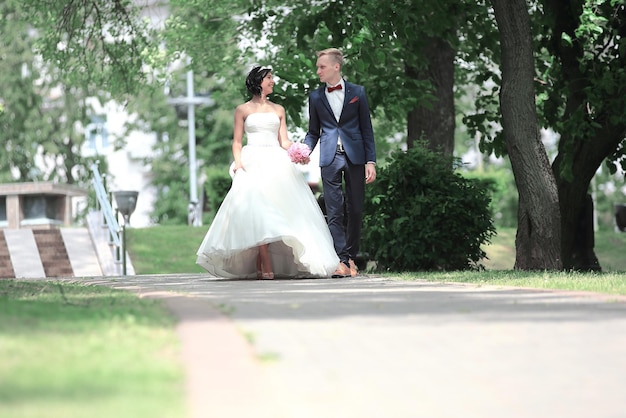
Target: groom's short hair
<point>333,53</point>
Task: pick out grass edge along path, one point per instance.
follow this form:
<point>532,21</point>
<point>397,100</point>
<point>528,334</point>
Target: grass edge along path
<point>74,350</point>
<point>603,283</point>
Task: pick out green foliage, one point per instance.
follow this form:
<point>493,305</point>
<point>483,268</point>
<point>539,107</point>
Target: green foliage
<point>170,170</point>
<point>217,185</point>
<point>580,70</point>
<point>607,189</point>
<point>94,43</point>
<point>422,215</point>
<point>501,185</point>
<point>43,113</point>
<point>170,157</point>
<point>381,40</point>
<point>585,100</point>
<point>172,206</point>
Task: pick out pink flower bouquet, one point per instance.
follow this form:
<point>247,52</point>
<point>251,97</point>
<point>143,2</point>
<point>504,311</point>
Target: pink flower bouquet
<point>299,152</point>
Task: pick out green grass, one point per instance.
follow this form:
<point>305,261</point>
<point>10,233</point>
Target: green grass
<point>501,250</point>
<point>165,249</point>
<point>72,350</point>
<point>610,248</point>
<point>608,283</point>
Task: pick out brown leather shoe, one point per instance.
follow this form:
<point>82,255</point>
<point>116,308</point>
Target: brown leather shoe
<point>342,271</point>
<point>354,271</point>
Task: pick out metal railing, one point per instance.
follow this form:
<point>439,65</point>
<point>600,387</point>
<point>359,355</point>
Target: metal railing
<point>110,220</point>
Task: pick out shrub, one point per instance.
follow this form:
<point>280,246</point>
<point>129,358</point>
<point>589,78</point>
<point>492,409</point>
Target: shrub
<point>217,185</point>
<point>503,194</point>
<point>420,214</point>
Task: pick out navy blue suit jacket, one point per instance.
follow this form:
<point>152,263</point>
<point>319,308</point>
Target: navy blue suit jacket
<point>354,126</point>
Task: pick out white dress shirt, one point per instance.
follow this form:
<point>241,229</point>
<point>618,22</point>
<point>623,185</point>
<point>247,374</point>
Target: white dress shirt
<point>335,99</point>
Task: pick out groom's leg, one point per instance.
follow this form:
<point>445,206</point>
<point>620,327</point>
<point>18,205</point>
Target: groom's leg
<point>355,194</point>
<point>332,177</point>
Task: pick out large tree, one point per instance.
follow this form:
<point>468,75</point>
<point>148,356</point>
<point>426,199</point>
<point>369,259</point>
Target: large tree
<point>580,74</point>
<point>538,230</point>
<point>585,103</point>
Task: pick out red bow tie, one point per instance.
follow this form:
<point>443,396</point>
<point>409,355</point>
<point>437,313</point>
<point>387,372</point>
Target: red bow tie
<point>337,87</point>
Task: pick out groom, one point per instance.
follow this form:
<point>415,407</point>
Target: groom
<point>339,118</point>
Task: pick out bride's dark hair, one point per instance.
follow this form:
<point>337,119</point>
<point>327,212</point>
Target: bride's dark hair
<point>255,78</point>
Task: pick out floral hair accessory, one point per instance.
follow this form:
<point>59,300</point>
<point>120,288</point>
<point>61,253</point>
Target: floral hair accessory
<point>298,152</point>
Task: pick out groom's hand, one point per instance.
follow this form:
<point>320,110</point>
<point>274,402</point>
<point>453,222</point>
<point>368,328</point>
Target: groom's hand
<point>370,173</point>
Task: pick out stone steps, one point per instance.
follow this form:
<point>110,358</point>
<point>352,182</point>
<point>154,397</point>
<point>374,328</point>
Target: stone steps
<point>47,253</point>
<point>52,253</point>
<point>6,267</point>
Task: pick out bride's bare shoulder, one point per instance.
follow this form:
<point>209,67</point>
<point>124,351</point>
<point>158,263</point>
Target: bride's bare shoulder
<point>278,109</point>
<point>244,109</point>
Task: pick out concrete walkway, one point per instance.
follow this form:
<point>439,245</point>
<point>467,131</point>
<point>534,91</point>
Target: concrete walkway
<point>372,347</point>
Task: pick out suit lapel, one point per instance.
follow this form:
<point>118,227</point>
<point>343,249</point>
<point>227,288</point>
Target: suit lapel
<point>346,98</point>
<point>324,100</point>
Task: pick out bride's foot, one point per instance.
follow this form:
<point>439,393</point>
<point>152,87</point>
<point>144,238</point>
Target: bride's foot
<point>259,272</point>
<point>265,262</point>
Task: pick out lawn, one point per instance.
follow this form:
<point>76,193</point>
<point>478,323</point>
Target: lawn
<point>165,249</point>
<point>75,351</point>
<point>610,248</point>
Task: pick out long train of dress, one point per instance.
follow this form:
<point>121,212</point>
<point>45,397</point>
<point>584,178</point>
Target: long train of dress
<point>269,202</point>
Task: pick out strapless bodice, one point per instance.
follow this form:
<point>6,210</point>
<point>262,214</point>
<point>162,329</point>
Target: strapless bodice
<point>262,129</point>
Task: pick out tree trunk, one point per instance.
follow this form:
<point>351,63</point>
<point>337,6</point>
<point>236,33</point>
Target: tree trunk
<point>579,158</point>
<point>577,236</point>
<point>538,240</point>
<point>435,125</point>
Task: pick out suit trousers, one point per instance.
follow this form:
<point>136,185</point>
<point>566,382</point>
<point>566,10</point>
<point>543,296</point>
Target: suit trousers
<point>346,235</point>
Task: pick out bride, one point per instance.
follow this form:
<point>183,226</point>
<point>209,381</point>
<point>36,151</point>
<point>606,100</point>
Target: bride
<point>269,224</point>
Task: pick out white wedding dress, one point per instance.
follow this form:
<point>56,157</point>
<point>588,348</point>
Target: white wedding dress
<point>269,202</point>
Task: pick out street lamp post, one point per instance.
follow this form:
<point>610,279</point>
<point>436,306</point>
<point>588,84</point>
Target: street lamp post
<point>126,203</point>
<point>191,100</point>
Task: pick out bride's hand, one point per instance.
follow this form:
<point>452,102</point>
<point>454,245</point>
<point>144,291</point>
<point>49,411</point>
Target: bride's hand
<point>233,169</point>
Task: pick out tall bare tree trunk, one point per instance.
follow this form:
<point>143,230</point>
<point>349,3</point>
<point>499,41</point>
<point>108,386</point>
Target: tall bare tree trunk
<point>538,240</point>
<point>436,125</point>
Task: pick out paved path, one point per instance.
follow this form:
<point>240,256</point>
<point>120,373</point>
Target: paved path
<point>372,347</point>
